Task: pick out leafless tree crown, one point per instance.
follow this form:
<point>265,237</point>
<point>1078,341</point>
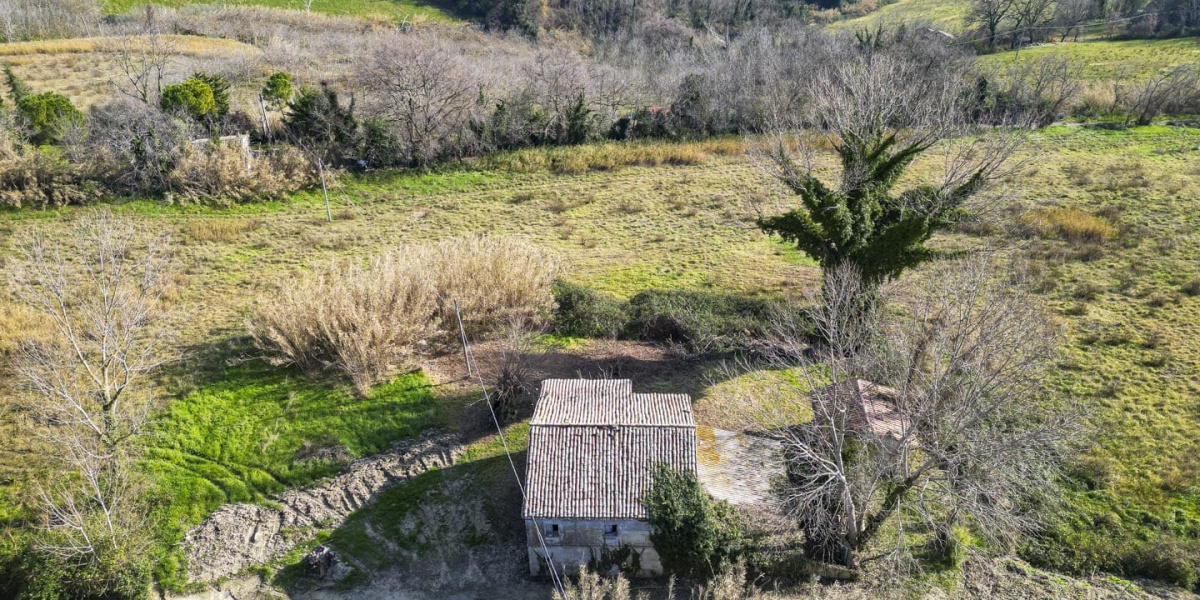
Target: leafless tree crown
<point>101,292</point>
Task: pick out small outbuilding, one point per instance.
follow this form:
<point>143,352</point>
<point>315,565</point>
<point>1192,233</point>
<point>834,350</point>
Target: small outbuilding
<point>871,407</point>
<point>593,445</point>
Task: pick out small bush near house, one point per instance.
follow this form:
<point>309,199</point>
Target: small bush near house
<point>585,313</point>
<point>694,535</point>
<point>701,322</point>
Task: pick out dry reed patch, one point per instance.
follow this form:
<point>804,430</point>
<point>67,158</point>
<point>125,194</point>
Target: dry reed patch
<point>1070,224</point>
<point>368,322</point>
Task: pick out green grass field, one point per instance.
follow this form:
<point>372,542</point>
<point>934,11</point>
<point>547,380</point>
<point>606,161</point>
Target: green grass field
<point>947,15</point>
<point>1107,60</point>
<point>399,10</point>
<point>1130,306</point>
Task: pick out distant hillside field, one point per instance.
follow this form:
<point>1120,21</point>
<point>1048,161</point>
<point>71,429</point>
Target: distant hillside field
<point>1106,60</point>
<point>412,10</point>
<point>945,14</point>
<point>82,68</point>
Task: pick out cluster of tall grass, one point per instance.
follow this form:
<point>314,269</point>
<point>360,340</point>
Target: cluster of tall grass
<point>221,174</point>
<point>369,321</point>
<point>1070,224</point>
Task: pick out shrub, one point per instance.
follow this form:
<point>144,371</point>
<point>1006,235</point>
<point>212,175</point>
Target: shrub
<point>17,88</point>
<point>694,535</point>
<point>193,97</point>
<point>42,178</point>
<point>700,322</point>
<point>317,121</point>
<point>1070,224</point>
<point>220,93</point>
<point>139,143</point>
<point>220,173</point>
<point>50,115</point>
<point>28,569</point>
<point>1166,559</point>
<point>381,147</point>
<point>582,312</point>
<point>278,88</point>
<point>367,322</point>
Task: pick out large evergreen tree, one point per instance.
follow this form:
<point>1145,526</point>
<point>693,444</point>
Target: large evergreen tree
<point>863,221</point>
<point>882,110</point>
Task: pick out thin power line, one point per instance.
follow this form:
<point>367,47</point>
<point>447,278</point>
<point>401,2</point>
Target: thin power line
<point>473,366</point>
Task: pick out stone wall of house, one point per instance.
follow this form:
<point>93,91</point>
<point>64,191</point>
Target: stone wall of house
<point>574,542</point>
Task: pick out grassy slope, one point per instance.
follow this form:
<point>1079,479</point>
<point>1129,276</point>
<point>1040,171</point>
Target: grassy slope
<point>1132,333</point>
<point>947,15</point>
<point>394,9</point>
<point>1106,60</point>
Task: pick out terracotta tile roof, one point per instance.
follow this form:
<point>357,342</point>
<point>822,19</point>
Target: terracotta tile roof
<point>593,445</point>
<point>740,468</point>
<point>608,402</point>
<point>872,406</point>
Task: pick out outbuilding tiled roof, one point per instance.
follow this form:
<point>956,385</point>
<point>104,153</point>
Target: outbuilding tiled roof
<point>593,445</point>
<point>872,407</point>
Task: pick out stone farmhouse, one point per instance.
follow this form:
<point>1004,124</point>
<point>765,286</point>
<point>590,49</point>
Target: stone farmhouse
<point>593,445</point>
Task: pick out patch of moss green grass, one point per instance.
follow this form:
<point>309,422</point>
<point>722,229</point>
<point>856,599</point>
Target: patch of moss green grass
<point>258,430</point>
<point>945,14</point>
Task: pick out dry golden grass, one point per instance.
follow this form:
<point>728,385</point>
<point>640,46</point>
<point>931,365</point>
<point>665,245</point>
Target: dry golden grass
<point>577,160</point>
<point>223,231</point>
<point>82,68</point>
<point>1070,224</point>
<point>185,45</point>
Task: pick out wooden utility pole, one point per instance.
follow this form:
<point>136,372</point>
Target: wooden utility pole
<point>262,104</point>
<point>324,190</point>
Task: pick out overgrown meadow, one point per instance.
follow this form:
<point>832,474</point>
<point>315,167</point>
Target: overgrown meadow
<point>1106,220</point>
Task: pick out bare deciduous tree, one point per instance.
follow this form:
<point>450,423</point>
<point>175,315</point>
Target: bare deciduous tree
<point>1147,99</point>
<point>1070,15</point>
<point>141,63</point>
<point>989,15</point>
<point>421,85</point>
<point>969,437</point>
<point>1030,20</point>
<point>101,292</point>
